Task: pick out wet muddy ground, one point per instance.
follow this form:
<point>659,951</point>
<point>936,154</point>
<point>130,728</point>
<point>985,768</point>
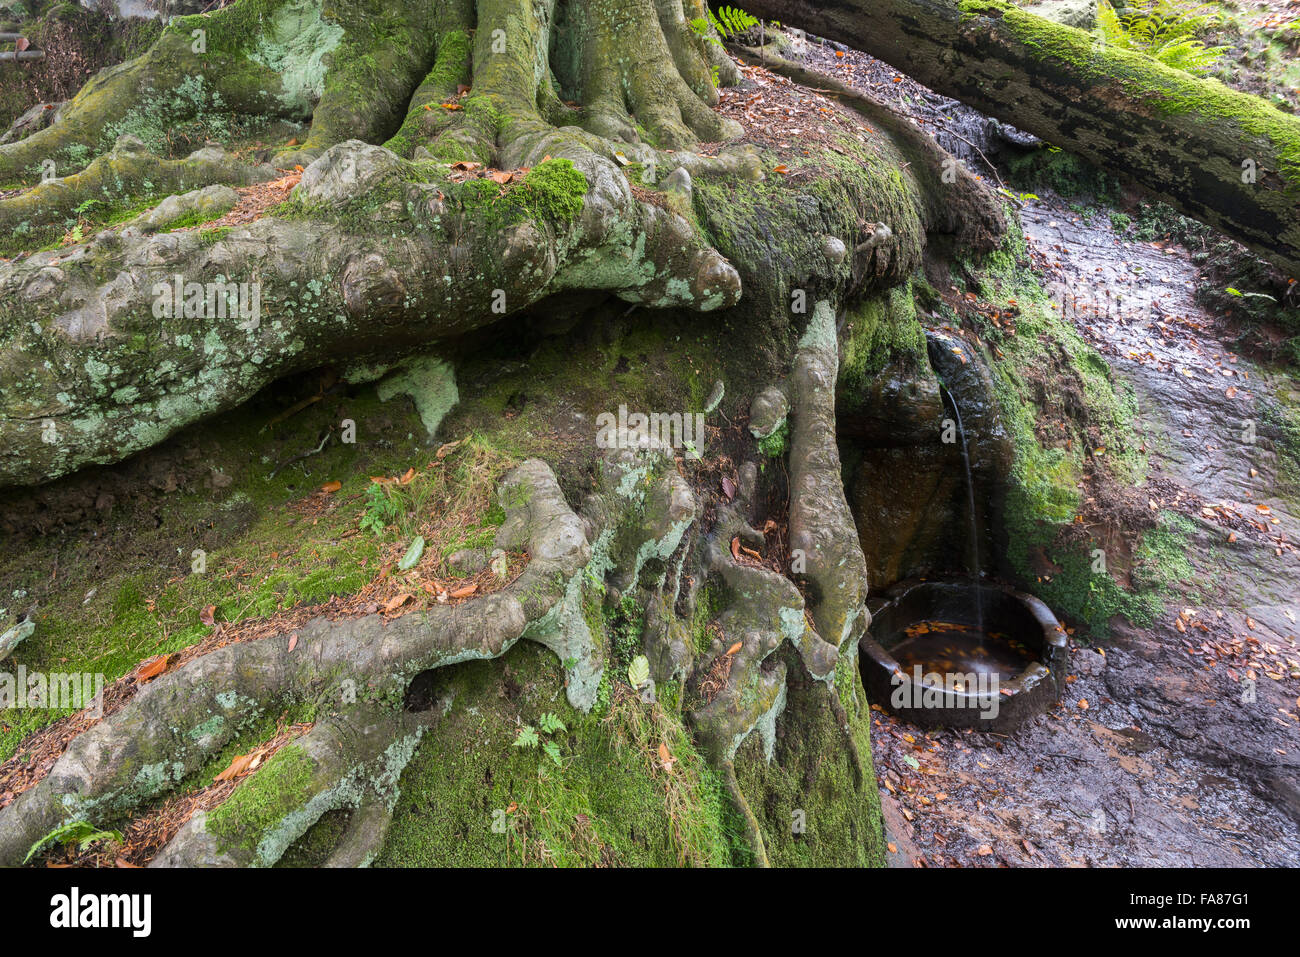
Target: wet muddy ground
<point>1157,755</point>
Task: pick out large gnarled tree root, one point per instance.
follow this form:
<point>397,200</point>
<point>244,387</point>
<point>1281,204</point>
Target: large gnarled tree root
<point>181,720</point>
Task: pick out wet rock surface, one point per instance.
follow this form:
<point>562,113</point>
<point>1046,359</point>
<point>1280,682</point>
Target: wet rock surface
<point>1157,755</point>
<point>1153,757</point>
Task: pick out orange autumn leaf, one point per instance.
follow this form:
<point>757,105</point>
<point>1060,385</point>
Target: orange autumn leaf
<point>782,169</point>
<point>735,548</point>
<point>735,648</point>
<point>331,487</point>
<point>397,602</point>
<point>152,669</point>
<point>451,106</point>
<point>406,477</point>
<point>208,615</point>
<point>243,764</point>
<point>447,449</point>
<point>293,642</point>
<point>465,591</point>
<point>666,759</point>
<point>239,765</point>
<point>1083,704</point>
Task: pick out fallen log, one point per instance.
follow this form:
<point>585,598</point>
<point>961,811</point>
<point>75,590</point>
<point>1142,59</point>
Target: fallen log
<point>1221,156</point>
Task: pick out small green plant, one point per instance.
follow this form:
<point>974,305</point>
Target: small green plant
<point>638,672</point>
<point>775,445</point>
<point>82,832</point>
<point>728,21</point>
<point>1249,295</point>
<point>625,627</point>
<point>1163,29</point>
<point>550,725</point>
<point>381,510</point>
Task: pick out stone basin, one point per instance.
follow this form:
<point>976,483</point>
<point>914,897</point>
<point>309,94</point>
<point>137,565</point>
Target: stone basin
<point>926,659</point>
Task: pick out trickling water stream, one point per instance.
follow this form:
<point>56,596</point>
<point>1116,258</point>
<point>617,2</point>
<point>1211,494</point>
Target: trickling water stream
<point>974,555</point>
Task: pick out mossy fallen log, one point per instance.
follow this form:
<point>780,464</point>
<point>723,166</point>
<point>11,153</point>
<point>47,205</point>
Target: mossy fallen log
<point>1224,157</point>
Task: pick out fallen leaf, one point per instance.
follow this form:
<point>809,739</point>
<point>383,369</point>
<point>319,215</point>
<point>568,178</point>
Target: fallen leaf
<point>464,592</point>
<point>293,642</point>
<point>735,648</point>
<point>397,602</point>
<point>984,850</point>
<point>447,449</point>
<point>240,765</point>
<point>666,759</point>
<point>208,615</point>
<point>152,669</point>
<point>735,548</point>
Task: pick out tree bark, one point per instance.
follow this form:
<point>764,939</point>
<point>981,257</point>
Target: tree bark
<point>1226,158</point>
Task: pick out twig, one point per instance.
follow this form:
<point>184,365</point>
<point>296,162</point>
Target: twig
<point>298,458</point>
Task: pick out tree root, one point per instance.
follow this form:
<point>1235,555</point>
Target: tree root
<point>127,171</point>
<point>958,203</point>
<point>120,376</point>
<point>353,760</point>
<point>179,721</point>
<point>822,530</point>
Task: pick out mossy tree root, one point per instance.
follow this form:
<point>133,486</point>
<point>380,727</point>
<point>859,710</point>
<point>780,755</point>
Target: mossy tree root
<point>172,80</point>
<point>823,534</point>
<point>958,204</point>
<point>377,257</point>
<point>358,669</point>
<point>350,761</point>
<point>125,173</point>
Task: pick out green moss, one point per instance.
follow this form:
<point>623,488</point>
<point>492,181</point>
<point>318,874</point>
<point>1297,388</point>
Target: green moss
<point>129,591</point>
<point>553,190</point>
<point>1149,83</point>
<point>811,808</point>
<point>881,330</point>
<point>775,446</point>
<point>606,804</point>
<point>262,801</point>
<point>1056,445</point>
<point>210,237</point>
<point>1063,173</point>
